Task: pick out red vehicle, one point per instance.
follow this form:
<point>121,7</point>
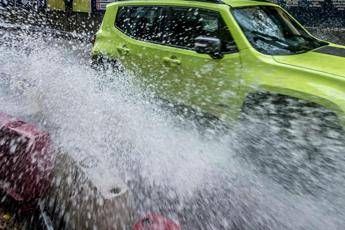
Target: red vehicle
<point>155,221</point>
<point>26,162</point>
<point>27,166</point>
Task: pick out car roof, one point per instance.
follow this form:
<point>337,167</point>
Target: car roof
<point>232,3</point>
<point>238,3</point>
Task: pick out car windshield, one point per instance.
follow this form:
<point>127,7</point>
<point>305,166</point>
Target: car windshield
<point>272,31</point>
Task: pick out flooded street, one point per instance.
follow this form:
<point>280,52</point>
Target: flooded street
<point>200,175</point>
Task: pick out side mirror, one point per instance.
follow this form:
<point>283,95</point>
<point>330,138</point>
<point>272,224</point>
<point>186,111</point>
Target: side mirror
<point>208,45</point>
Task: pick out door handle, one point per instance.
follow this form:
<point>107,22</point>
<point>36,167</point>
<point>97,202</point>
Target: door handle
<point>171,60</point>
<point>123,50</point>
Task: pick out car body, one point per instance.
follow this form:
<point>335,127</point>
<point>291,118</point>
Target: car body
<point>243,48</point>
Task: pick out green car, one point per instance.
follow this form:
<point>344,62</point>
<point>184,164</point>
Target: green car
<point>223,57</point>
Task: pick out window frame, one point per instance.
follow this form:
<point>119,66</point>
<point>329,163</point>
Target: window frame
<point>166,12</point>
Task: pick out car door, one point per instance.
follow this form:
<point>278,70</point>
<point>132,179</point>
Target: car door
<point>200,80</point>
<point>138,38</point>
<point>156,42</point>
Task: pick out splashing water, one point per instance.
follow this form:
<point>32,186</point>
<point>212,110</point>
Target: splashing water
<point>203,182</point>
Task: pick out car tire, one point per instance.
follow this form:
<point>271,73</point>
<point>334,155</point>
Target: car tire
<point>296,142</point>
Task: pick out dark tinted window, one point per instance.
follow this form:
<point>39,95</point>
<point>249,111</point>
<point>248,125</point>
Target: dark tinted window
<point>140,22</point>
<point>185,24</point>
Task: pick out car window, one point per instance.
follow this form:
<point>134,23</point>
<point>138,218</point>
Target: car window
<point>186,24</point>
<point>272,31</point>
<point>140,22</point>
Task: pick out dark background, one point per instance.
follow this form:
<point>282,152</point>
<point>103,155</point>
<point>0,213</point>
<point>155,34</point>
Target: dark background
<point>316,13</point>
<point>324,18</point>
<point>312,13</point>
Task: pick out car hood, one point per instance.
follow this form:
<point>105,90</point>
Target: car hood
<point>327,59</point>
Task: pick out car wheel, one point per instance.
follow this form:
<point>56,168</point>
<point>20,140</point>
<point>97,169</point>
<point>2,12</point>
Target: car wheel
<point>296,142</point>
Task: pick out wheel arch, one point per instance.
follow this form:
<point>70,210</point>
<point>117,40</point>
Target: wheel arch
<point>295,95</point>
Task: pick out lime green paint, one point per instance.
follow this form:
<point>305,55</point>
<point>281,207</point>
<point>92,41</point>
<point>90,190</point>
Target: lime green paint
<point>82,6</point>
<point>56,5</point>
<point>78,5</point>
<point>241,3</point>
<point>315,61</point>
<point>220,86</point>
